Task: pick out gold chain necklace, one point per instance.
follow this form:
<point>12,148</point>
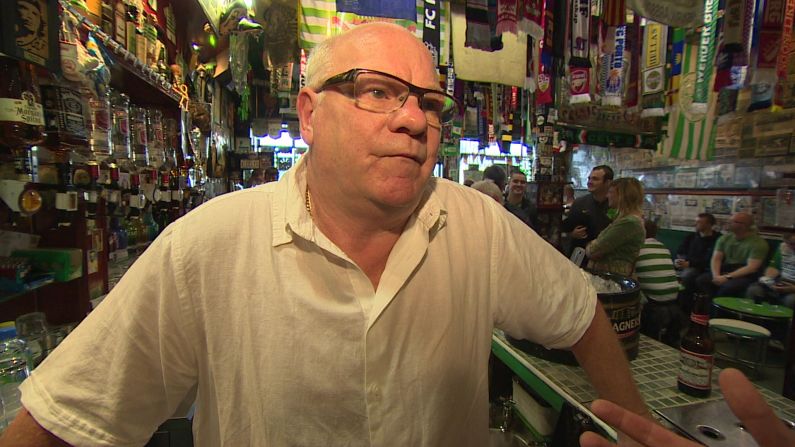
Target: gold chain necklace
<point>308,201</point>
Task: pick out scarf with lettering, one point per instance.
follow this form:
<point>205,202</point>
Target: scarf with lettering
<point>706,58</point>
<point>614,82</point>
<point>431,29</point>
<point>655,40</point>
<point>506,16</point>
<point>579,52</point>
<point>784,54</point>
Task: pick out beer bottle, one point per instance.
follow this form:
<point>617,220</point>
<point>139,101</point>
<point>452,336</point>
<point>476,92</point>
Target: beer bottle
<point>696,354</point>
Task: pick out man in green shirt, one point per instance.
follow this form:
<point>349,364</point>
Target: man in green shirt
<point>736,260</point>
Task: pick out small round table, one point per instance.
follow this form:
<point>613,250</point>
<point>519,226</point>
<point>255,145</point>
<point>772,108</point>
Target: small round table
<point>764,314</point>
<point>747,309</point>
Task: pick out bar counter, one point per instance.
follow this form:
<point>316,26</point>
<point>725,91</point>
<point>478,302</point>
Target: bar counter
<point>654,370</point>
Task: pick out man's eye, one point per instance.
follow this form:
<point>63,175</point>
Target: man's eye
<point>376,93</point>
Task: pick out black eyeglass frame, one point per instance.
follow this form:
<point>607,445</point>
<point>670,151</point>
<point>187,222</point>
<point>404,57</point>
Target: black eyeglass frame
<point>350,76</point>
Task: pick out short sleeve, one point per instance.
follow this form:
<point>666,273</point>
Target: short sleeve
<point>128,366</point>
<point>760,249</point>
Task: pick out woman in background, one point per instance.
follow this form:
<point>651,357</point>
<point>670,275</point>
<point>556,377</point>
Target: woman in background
<point>616,248</point>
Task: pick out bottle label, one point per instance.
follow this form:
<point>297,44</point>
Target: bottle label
<point>114,196</point>
<point>176,195</point>
<point>25,110</point>
<point>695,370</point>
<point>700,319</point>
<point>136,201</point>
<point>66,201</point>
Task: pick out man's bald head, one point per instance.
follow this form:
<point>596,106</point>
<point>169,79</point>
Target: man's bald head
<point>326,59</point>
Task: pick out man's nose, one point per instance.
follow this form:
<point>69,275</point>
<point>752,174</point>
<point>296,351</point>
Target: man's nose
<point>409,117</point>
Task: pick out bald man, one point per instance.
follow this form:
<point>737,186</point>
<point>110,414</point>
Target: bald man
<point>736,259</point>
<point>350,303</point>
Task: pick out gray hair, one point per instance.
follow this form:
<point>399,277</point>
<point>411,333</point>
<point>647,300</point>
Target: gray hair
<point>489,188</point>
<point>318,62</point>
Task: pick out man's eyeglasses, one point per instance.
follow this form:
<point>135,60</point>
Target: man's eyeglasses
<point>383,93</point>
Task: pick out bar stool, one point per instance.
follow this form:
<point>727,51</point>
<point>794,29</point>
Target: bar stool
<point>739,331</point>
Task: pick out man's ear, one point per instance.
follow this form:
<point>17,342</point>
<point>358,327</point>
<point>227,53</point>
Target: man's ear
<point>306,104</point>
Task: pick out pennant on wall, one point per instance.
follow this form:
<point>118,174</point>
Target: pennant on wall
<point>615,12</point>
<point>579,52</point>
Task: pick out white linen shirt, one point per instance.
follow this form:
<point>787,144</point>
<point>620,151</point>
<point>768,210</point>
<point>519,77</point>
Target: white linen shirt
<point>246,304</point>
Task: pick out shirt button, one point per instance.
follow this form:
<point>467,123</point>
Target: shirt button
<point>374,391</point>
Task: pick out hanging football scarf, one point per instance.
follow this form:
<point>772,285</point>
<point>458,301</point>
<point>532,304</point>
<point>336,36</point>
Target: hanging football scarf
<point>677,51</point>
<point>770,33</point>
<point>431,28</point>
<point>579,59</point>
<point>544,88</point>
<point>559,18</point>
<point>506,16</point>
<point>614,85</point>
<point>706,59</point>
<point>723,59</point>
<point>632,46</point>
<point>742,57</point>
<point>733,25</point>
<point>655,38</point>
<point>615,13</point>
<point>784,54</point>
<point>530,14</point>
<point>689,136</point>
<point>530,74</point>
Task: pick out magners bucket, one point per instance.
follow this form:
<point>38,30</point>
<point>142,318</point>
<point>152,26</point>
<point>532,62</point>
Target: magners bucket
<point>623,310</point>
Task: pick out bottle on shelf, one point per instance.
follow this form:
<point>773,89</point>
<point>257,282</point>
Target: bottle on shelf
<point>136,232</point>
<point>697,351</point>
<point>120,23</point>
<point>156,139</point>
<point>64,115</point>
<point>131,29</point>
<point>66,197</point>
<point>21,111</point>
<point>99,142</point>
<point>15,364</point>
<point>162,209</point>
<point>93,190</point>
<point>140,142</point>
<point>113,189</point>
<point>120,135</point>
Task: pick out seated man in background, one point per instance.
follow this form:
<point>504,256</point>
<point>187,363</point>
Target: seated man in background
<point>736,260</point>
<point>778,284</point>
<point>661,317</point>
<point>693,256</point>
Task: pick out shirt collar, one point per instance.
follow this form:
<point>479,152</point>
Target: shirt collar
<point>290,216</point>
